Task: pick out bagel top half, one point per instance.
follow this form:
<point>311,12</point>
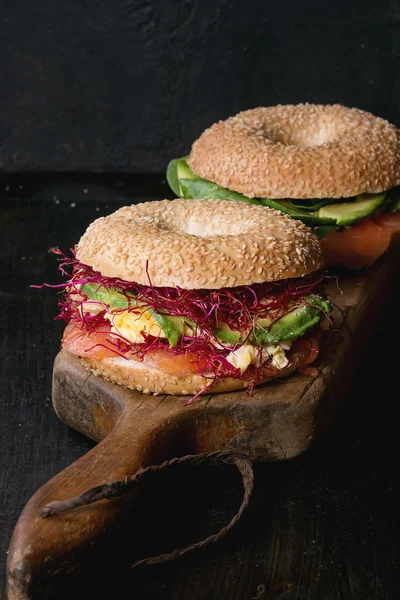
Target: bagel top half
<point>199,244</point>
<point>300,151</point>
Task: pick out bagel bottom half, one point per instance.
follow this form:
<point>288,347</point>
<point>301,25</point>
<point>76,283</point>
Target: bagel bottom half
<point>150,379</point>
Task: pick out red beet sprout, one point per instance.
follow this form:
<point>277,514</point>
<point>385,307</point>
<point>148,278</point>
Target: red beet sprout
<point>239,308</point>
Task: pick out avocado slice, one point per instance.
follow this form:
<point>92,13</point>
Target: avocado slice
<point>347,213</point>
<point>172,326</point>
<point>177,170</point>
<point>183,170</point>
<point>225,334</point>
<point>290,326</point>
<point>293,324</point>
<point>110,296</point>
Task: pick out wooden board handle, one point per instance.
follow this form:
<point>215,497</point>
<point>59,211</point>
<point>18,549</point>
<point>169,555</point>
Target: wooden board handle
<point>42,547</point>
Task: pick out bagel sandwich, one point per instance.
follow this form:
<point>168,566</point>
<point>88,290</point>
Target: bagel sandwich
<point>188,296</point>
<point>337,169</point>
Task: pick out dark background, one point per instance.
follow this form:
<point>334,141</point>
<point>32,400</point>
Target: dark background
<point>126,85</point>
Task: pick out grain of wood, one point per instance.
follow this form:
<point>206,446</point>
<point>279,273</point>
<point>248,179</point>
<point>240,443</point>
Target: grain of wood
<point>279,421</point>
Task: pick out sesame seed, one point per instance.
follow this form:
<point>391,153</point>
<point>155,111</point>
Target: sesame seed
<point>304,156</point>
<point>230,244</point>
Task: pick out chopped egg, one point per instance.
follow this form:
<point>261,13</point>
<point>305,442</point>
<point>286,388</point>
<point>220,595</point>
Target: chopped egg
<point>130,324</point>
<point>277,353</point>
<point>285,344</point>
<point>217,344</point>
<point>243,357</point>
<point>93,308</point>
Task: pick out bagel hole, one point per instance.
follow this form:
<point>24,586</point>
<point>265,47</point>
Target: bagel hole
<point>306,135</point>
<point>219,225</point>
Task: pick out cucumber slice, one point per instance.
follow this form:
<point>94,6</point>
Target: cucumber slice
<point>311,205</point>
<point>348,213</point>
<point>310,218</point>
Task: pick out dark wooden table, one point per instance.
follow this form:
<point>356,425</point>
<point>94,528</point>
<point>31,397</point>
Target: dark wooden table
<point>322,526</point>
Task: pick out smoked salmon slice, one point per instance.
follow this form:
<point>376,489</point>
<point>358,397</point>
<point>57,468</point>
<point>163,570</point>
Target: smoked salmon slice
<point>173,364</point>
<point>360,245</point>
<point>89,343</point>
<point>390,220</point>
<point>99,344</point>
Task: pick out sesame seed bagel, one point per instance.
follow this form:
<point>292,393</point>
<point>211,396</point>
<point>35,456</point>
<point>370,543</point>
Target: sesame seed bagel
<point>199,244</point>
<point>150,379</point>
<point>300,151</point>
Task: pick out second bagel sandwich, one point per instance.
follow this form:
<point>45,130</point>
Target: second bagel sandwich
<point>182,297</point>
<point>335,168</point>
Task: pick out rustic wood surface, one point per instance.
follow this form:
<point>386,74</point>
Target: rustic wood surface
<point>318,526</point>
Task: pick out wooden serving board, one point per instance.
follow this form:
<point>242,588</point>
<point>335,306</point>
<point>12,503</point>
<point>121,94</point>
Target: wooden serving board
<point>279,421</point>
